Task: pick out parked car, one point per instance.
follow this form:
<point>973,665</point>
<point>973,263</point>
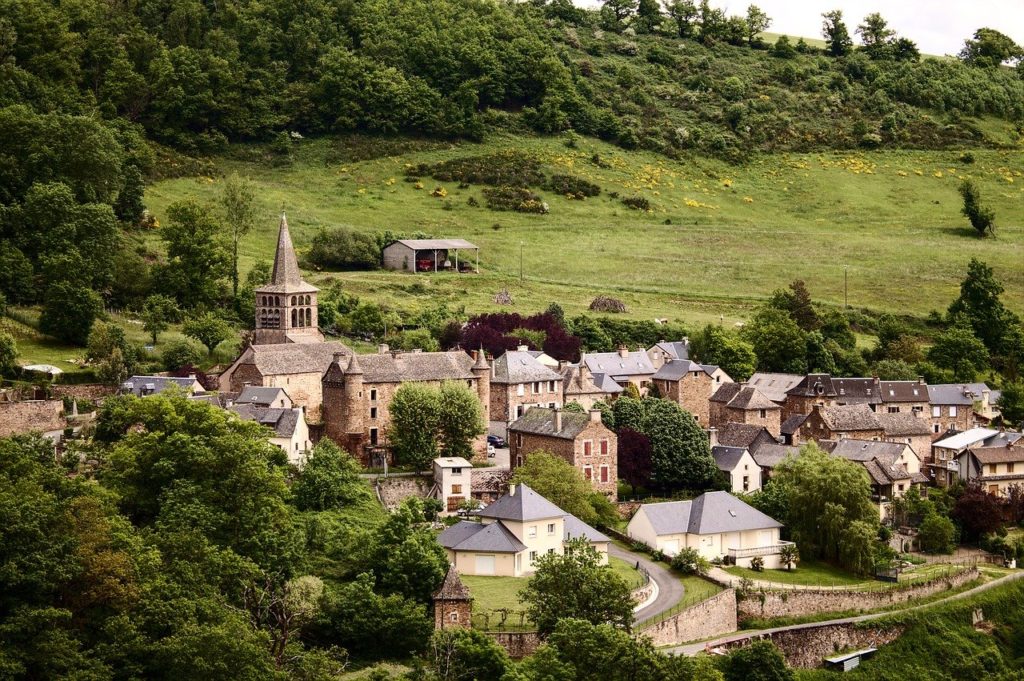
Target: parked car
<point>490,450</point>
<point>496,440</point>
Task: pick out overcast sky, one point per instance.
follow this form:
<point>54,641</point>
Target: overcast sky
<point>937,26</point>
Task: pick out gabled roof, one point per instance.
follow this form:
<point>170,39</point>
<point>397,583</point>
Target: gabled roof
<point>750,398</point>
<point>154,385</point>
<point>813,385</point>
<point>792,424</point>
<point>726,392</point>
<point>959,394</point>
<point>282,421</point>
<point>742,435</point>
<point>516,366</point>
<point>857,390</point>
<point>710,513</point>
<point>399,367</point>
<point>771,455</point>
<point>292,358</point>
<point>1001,454</point>
<point>578,380</point>
<point>903,424</point>
<point>635,363</point>
<point>904,391</point>
<point>521,505</point>
<point>774,386</point>
<point>286,277</point>
<point>674,349</point>
<point>541,421</point>
<point>864,450</point>
<point>259,395</point>
<point>849,417</point>
<point>469,536</point>
<point>676,369</point>
<point>434,244</point>
<point>574,527</point>
<point>452,588</point>
<point>606,384</point>
<point>727,458</point>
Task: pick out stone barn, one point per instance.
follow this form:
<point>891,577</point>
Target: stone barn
<point>432,255</point>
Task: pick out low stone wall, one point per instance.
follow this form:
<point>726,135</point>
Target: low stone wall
<point>798,603</point>
<point>518,644</point>
<point>395,490</point>
<point>713,617</point>
<point>807,647</point>
<point>627,509</point>
<point>31,416</point>
<point>87,391</point>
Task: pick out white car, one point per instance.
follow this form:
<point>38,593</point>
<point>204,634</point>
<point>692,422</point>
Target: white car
<point>490,451</point>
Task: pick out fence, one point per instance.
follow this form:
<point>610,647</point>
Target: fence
<point>688,601</point>
<point>745,584</point>
<point>502,620</point>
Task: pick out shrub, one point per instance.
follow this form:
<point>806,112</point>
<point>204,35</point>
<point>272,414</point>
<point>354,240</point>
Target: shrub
<point>517,199</point>
<point>344,249</point>
<point>572,186</point>
<point>757,563</point>
<point>689,562</point>
<point>607,304</point>
<point>509,168</point>
<point>180,353</point>
<point>637,203</point>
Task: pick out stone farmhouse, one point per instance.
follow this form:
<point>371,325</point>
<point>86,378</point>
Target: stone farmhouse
<point>510,534</point>
<point>716,524</point>
<point>957,407</point>
<point>519,381</point>
<point>581,439</point>
<point>623,366</point>
<point>892,467</point>
<point>945,465</point>
<point>663,352</point>
<point>996,467</point>
<point>742,403</point>
<point>687,384</point>
<point>858,421</point>
<point>584,388</point>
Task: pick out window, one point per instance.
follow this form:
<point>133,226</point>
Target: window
<point>1009,467</point>
<point>456,489</point>
<point>551,386</point>
<point>893,410</point>
<point>604,473</point>
<point>764,413</point>
<point>604,447</point>
<point>519,439</point>
<point>519,410</point>
<point>746,483</point>
<point>899,487</point>
<point>531,532</point>
<point>373,436</point>
<point>936,412</point>
<point>588,472</point>
<point>373,412</point>
<point>992,469</point>
<point>536,387</point>
<point>551,528</point>
<point>533,556</point>
<point>935,428</point>
<point>454,617</point>
<point>373,394</point>
<point>550,551</point>
<point>952,410</point>
<point>456,471</point>
<point>520,389</point>
<point>588,446</point>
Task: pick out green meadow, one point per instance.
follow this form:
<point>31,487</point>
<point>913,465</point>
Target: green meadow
<point>879,229</point>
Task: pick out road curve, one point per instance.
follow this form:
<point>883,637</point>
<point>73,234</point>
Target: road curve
<point>694,648</point>
<point>670,589</point>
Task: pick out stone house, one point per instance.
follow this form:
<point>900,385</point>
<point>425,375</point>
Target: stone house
<point>582,440</point>
<point>741,403</point>
<point>663,351</point>
<point>358,389</point>
<point>716,524</point>
<point>855,421</point>
<point>944,463</point>
<point>286,308</point>
<point>287,425</point>
<point>623,366</point>
<point>453,482</point>
<point>745,435</point>
<point>453,605</point>
<point>770,455</point>
<point>952,406</point>
<point>519,381</point>
<point>823,390</point>
<point>739,465</point>
<point>774,386</point>
<point>510,534</point>
<point>908,428</point>
<point>584,388</point>
<point>143,386</point>
<point>687,384</point>
<point>996,467</point>
<point>892,467</point>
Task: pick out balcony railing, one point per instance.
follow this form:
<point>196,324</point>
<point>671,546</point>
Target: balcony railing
<point>770,550</point>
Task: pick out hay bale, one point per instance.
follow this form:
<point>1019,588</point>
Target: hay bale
<point>503,297</point>
<point>606,304</point>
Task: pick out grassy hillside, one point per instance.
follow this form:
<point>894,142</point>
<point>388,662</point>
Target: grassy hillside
<point>717,240</point>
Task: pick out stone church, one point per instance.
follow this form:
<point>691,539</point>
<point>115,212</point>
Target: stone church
<point>346,396</point>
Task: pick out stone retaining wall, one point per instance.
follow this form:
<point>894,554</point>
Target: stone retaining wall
<point>518,644</point>
<point>713,617</point>
<point>395,490</point>
<point>31,416</point>
<point>807,647</point>
<point>798,603</point>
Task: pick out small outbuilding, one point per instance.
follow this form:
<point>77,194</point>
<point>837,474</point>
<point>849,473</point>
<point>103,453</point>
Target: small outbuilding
<point>432,255</point>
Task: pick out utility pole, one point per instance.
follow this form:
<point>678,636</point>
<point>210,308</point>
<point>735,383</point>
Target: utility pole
<point>521,262</point>
<point>846,287</point>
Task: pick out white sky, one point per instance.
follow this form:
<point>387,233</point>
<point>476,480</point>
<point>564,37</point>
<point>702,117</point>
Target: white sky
<point>937,26</point>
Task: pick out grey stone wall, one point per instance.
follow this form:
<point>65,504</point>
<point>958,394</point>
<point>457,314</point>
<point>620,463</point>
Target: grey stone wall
<point>713,617</point>
<point>807,647</point>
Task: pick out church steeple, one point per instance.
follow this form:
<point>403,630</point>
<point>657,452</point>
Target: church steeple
<point>286,266</point>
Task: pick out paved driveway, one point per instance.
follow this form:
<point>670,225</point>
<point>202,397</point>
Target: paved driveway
<point>670,589</point>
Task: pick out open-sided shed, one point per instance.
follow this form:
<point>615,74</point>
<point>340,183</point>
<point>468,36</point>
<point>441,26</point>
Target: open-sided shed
<point>431,255</point>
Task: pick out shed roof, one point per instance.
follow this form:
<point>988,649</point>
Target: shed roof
<point>967,438</point>
<point>433,244</point>
<point>452,462</point>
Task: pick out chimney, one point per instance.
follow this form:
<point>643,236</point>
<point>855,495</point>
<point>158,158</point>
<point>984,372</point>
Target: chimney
<point>595,416</point>
<point>512,490</point>
<point>523,348</point>
<point>558,420</point>
<point>920,380</point>
<point>473,354</point>
<point>383,349</point>
<point>247,384</point>
<point>713,436</point>
<point>192,377</point>
<point>623,351</point>
<point>561,364</point>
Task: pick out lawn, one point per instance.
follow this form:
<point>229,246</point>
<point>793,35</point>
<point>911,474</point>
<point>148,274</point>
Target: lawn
<point>626,571</point>
<point>494,593</point>
<point>717,241</point>
<point>808,573</point>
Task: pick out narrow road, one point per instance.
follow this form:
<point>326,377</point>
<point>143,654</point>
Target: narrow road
<point>670,589</point>
<point>694,648</point>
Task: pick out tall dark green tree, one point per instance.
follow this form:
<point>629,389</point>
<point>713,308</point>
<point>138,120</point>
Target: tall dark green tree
<point>680,453</point>
<point>981,217</point>
<point>198,260</point>
<point>837,36</point>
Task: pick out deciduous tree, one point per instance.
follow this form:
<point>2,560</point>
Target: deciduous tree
<point>836,35</point>
<point>208,328</point>
<point>238,201</point>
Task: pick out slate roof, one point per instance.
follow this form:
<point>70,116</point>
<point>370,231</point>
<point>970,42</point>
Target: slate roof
<point>960,394</point>
<point>517,366</point>
<point>740,434</point>
<point>286,276</point>
<point>774,386</point>
<point>577,382</point>
<point>470,536</point>
<point>863,450</point>
<point>726,392</point>
<point>154,385</point>
<point>1005,454</point>
<point>607,384</point>
<point>292,358</point>
<point>635,363</point>
<point>980,437</point>
<point>541,421</point>
<point>675,369</point>
<point>281,421</point>
<point>770,456</point>
<point>791,425</point>
<point>710,513</point>
<point>452,588</point>
<point>674,349</point>
<point>750,398</point>
<point>397,367</point>
<point>813,385</point>
<point>523,505</point>
<point>259,396</point>
<point>849,417</point>
<point>903,424</point>
<point>727,458</point>
<point>574,527</point>
<point>904,391</point>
